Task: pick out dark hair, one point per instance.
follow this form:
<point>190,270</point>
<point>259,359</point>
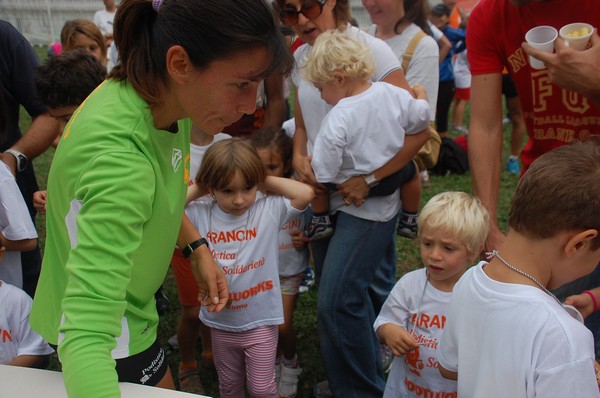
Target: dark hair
<point>440,9</point>
<point>67,79</point>
<point>341,12</point>
<point>208,30</point>
<point>416,11</point>
<point>558,193</point>
<point>275,140</point>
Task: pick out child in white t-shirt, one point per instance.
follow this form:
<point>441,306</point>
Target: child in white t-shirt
<point>242,233</point>
<point>19,344</point>
<point>366,126</point>
<point>189,324</point>
<point>452,229</point>
<point>275,150</point>
<point>507,335</point>
<point>17,232</point>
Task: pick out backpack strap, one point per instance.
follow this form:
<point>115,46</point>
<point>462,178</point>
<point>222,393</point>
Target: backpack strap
<point>410,50</point>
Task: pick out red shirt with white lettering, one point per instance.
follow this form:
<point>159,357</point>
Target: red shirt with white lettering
<point>553,116</point>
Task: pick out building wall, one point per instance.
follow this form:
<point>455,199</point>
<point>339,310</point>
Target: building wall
<point>41,21</point>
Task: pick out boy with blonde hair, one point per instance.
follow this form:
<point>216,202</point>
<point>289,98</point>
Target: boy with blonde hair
<point>366,126</point>
<point>452,229</point>
<point>507,335</point>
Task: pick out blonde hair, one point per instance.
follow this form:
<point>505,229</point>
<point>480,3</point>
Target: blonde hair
<point>461,215</point>
<point>224,159</point>
<point>335,51</point>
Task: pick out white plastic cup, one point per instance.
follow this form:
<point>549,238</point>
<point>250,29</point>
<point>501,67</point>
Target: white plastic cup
<point>542,38</point>
<point>573,37</point>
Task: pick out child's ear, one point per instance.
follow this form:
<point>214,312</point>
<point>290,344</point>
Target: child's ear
<point>338,77</point>
<point>580,241</point>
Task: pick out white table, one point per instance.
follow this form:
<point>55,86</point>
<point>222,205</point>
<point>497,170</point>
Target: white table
<point>18,382</point>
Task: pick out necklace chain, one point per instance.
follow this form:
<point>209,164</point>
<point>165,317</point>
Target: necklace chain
<point>525,274</point>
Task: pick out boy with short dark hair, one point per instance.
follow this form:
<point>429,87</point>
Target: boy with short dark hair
<point>63,82</point>
<point>507,335</point>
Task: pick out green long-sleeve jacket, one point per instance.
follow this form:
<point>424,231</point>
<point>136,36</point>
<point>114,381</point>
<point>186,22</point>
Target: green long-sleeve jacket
<point>116,192</point>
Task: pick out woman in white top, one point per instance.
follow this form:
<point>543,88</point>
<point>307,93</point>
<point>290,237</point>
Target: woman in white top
<point>397,22</point>
<point>364,236</point>
<point>403,25</point>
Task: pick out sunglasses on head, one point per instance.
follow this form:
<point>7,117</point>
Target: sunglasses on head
<point>310,9</point>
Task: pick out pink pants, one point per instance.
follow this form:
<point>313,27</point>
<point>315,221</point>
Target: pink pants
<point>249,356</point>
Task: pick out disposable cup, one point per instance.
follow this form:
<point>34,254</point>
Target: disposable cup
<point>577,35</point>
<point>542,38</point>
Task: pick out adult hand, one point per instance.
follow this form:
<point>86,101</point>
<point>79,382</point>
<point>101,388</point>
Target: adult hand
<point>420,92</point>
<point>354,190</point>
<point>571,69</point>
<point>213,291</point>
<point>304,169</point>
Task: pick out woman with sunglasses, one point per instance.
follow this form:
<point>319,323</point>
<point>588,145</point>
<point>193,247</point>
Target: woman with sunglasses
<point>364,237</point>
<point>117,187</point>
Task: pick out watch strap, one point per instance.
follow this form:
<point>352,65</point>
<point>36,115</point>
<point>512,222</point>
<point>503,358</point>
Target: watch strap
<point>190,247</point>
<point>371,180</point>
<point>20,158</point>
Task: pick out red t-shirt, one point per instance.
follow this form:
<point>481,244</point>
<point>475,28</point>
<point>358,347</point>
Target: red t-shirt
<point>553,116</point>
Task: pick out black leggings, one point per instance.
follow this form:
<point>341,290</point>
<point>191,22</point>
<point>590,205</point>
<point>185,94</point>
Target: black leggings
<point>444,100</point>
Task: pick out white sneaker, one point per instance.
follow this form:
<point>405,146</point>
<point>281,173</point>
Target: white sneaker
<point>288,384</point>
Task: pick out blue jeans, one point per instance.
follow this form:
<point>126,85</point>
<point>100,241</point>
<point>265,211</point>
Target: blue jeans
<point>385,276</point>
<point>347,263</point>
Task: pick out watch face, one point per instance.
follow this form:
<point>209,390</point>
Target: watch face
<point>370,179</point>
<point>21,162</point>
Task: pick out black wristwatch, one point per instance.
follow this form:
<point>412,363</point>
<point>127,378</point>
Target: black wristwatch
<point>189,249</point>
<point>20,157</point>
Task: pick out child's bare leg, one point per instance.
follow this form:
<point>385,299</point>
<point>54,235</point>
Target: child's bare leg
<point>410,195</point>
<point>187,334</point>
<point>320,204</point>
<point>206,339</point>
<point>288,363</point>
<point>287,335</point>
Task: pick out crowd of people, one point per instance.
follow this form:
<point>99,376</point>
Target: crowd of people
<point>172,152</point>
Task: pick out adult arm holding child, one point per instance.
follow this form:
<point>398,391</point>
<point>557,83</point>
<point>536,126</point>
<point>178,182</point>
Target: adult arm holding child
<point>356,188</point>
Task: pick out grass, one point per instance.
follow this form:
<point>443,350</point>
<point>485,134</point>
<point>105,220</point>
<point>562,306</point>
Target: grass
<point>305,321</point>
